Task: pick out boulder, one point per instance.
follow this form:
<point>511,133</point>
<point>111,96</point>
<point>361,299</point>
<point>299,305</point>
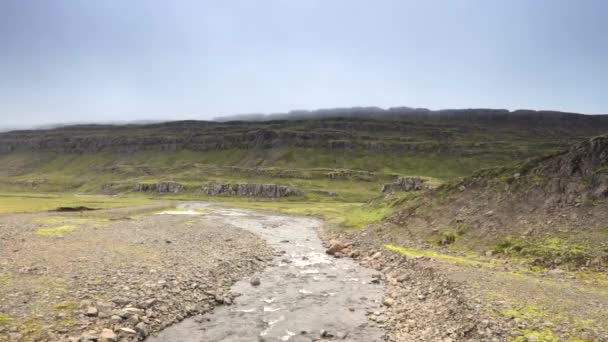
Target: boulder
<point>407,184</point>
<point>336,246</point>
<point>107,335</point>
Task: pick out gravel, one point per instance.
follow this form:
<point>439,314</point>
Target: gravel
<point>115,277</point>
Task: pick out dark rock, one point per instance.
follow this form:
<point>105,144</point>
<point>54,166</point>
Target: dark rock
<point>250,190</point>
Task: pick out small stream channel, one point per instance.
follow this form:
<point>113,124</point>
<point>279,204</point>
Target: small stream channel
<point>303,293</point>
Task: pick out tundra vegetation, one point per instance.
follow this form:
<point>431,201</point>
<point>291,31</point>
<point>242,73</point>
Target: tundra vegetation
<point>517,194</point>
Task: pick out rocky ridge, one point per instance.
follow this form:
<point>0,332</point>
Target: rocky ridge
<point>551,209</point>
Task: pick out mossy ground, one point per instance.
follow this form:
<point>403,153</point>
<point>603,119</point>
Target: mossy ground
<point>37,202</point>
<point>414,252</point>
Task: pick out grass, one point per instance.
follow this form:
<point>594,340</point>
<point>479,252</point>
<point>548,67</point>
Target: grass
<point>60,230</point>
<point>34,202</point>
<point>413,252</point>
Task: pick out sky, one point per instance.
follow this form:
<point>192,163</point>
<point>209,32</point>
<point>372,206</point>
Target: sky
<point>117,60</point>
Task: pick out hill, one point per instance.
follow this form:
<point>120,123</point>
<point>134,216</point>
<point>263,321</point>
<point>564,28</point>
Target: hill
<point>550,210</point>
<point>366,147</point>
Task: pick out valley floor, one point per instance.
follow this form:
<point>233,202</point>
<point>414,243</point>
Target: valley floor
<point>138,270</point>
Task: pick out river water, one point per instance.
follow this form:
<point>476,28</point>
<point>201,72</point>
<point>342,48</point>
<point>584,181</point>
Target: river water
<point>304,295</point>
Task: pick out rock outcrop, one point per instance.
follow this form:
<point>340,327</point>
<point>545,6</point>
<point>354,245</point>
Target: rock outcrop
<point>249,190</point>
<point>552,210</point>
<point>407,184</point>
<point>165,187</point>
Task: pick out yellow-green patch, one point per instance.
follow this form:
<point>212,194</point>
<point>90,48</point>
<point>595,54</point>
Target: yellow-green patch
<point>5,319</point>
<point>413,252</point>
<point>4,279</point>
<point>60,230</point>
<point>543,334</point>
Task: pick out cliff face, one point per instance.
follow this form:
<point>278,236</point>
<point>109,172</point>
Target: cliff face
<point>250,190</point>
<point>165,187</point>
<point>394,130</point>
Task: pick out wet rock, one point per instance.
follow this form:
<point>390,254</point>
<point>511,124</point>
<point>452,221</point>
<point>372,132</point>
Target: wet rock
<point>335,246</point>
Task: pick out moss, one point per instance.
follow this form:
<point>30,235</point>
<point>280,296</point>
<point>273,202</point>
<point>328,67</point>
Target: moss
<point>59,230</point>
<point>412,252</point>
<point>66,309</point>
<point>21,202</point>
<point>541,335</point>
<point>551,249</point>
<point>526,311</point>
<point>31,329</point>
<point>5,279</point>
<point>5,319</point>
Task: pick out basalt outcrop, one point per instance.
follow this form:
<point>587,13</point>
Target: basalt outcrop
<point>407,184</point>
<point>249,190</point>
<point>165,187</point>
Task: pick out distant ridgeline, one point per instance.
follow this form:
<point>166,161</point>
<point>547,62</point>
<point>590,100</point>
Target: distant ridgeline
<point>394,130</point>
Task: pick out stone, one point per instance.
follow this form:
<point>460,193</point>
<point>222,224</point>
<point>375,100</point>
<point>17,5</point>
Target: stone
<point>335,246</point>
<point>92,311</point>
<point>143,329</point>
<point>14,336</point>
<point>407,184</point>
<point>388,301</point>
<point>127,332</point>
<point>128,312</point>
<point>88,337</point>
<point>255,281</point>
<point>107,335</point>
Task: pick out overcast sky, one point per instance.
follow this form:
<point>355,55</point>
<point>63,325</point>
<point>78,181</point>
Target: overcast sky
<point>72,60</point>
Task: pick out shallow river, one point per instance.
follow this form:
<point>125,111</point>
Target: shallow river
<point>302,295</point>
